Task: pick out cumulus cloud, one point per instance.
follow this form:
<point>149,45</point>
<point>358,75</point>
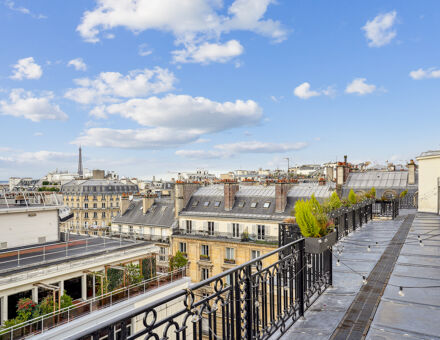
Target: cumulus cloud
<point>25,104</point>
<point>186,112</point>
<point>209,52</point>
<point>303,91</point>
<point>109,86</point>
<point>192,23</point>
<point>38,157</point>
<point>379,31</point>
<point>360,87</point>
<point>170,121</point>
<point>78,64</point>
<point>26,68</point>
<point>425,74</point>
<point>232,149</point>
<point>155,138</point>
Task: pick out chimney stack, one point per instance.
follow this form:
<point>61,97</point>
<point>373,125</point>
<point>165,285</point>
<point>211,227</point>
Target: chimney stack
<point>342,171</point>
<point>124,203</point>
<point>182,194</point>
<point>281,190</point>
<point>411,172</point>
<point>230,189</point>
<point>147,202</point>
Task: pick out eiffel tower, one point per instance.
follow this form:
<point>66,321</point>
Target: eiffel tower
<point>80,164</point>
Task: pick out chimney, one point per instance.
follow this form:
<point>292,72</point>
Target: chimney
<point>342,171</point>
<point>411,172</point>
<point>124,203</point>
<point>321,181</point>
<point>147,202</point>
<point>230,189</point>
<point>281,190</point>
<point>182,194</point>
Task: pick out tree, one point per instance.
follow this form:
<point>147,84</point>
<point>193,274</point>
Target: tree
<point>133,273</point>
<point>335,202</point>
<point>178,261</point>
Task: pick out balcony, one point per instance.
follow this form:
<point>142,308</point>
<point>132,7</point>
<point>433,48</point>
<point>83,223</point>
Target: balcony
<point>205,257</point>
<point>229,261</point>
<point>269,240</point>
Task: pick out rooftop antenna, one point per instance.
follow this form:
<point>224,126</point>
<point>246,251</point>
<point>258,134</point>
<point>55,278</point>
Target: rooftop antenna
<point>80,165</point>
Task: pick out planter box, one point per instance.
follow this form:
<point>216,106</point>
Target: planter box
<point>314,245</point>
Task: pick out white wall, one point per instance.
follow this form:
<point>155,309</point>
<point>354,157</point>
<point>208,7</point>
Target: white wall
<point>429,172</point>
<point>23,226</point>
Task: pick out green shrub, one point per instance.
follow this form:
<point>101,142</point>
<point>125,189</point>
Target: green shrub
<point>352,197</point>
<point>178,261</point>
<point>403,193</point>
<point>133,274</point>
<point>307,222</point>
<point>334,202</point>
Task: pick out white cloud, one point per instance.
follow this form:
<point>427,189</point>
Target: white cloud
<point>143,50</point>
<point>78,64</point>
<point>26,68</point>
<point>170,121</point>
<point>425,74</point>
<point>38,134</point>
<point>25,104</point>
<point>109,86</point>
<point>360,87</point>
<point>11,5</point>
<point>192,22</point>
<point>303,91</point>
<point>39,156</point>
<point>207,52</point>
<point>232,149</point>
<point>186,112</point>
<point>156,138</point>
<point>379,31</point>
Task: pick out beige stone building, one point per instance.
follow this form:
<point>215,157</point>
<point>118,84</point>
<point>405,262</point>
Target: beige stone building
<point>94,202</point>
<point>429,181</point>
<point>221,226</point>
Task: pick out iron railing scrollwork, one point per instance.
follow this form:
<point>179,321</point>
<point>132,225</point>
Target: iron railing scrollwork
<point>257,300</point>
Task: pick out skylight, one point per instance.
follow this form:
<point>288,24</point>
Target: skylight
<point>217,203</point>
<point>206,203</point>
<point>253,204</point>
<point>266,204</point>
<point>195,203</point>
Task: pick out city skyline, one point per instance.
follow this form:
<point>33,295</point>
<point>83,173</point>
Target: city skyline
<point>237,84</point>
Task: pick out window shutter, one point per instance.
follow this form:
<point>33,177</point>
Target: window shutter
<point>205,226</point>
<point>230,228</point>
<point>254,230</point>
<point>216,227</point>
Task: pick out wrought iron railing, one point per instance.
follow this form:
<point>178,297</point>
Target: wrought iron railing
<point>386,208</point>
<point>213,234</point>
<point>251,301</point>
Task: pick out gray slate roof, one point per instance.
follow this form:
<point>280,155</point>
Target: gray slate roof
<point>161,214</point>
<point>98,186</point>
<point>247,196</point>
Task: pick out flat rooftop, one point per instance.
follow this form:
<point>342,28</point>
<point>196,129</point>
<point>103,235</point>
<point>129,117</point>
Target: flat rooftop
<point>79,246</point>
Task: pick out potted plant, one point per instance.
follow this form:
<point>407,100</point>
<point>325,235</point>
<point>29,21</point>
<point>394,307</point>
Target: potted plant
<point>315,226</point>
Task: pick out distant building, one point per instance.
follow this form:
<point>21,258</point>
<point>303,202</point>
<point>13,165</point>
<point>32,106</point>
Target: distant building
<point>94,202</point>
<point>429,181</point>
<point>198,175</point>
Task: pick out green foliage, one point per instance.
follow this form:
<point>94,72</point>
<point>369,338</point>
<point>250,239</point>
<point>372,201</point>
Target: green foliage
<point>307,222</point>
<point>373,192</point>
<point>133,274</point>
<point>245,236</point>
<point>66,301</point>
<point>352,197</point>
<point>403,193</point>
<point>115,278</point>
<point>334,202</point>
<point>149,267</point>
<point>178,261</point>
<point>45,183</point>
<point>48,189</point>
<point>25,309</point>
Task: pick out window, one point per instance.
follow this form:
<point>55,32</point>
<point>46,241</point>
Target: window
<point>230,254</point>
<point>111,205</point>
<point>205,274</point>
<point>241,204</point>
<point>235,230</point>
<point>95,215</point>
<point>217,203</point>
<point>95,205</point>
<point>211,228</point>
<point>205,250</point>
<point>206,204</point>
<point>255,254</point>
<point>182,247</point>
<point>162,254</point>
<point>103,214</point>
<point>86,205</point>
<point>103,205</point>
<point>189,226</point>
<point>95,198</point>
<point>195,203</point>
<point>261,231</point>
<point>253,204</point>
<point>86,215</point>
<point>266,205</point>
<point>120,228</point>
<point>130,228</point>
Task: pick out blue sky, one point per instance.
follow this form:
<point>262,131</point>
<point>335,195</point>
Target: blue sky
<point>150,87</point>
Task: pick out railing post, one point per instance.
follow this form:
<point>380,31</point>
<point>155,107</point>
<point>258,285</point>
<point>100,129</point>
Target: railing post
<point>248,301</point>
<point>299,276</point>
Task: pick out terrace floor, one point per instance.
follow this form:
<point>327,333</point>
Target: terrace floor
<point>344,311</point>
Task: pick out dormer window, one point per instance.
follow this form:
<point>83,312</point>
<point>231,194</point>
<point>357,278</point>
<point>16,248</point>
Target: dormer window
<point>217,203</point>
<point>241,204</point>
<point>206,204</point>
<point>266,205</point>
<point>195,203</point>
<point>253,204</point>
